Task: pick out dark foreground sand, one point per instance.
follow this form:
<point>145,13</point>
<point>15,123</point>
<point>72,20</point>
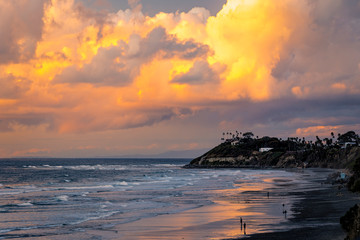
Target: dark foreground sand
<point>327,204</point>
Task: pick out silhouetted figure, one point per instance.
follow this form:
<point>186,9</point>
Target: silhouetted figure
<point>268,194</point>
<point>285,212</point>
<point>244,228</point>
<point>283,207</point>
<point>241,223</point>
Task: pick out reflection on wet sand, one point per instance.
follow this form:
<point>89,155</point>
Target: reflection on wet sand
<point>216,221</point>
<point>246,209</point>
<point>260,202</point>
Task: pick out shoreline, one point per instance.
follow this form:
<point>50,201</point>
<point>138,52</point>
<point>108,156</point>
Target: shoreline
<point>316,216</point>
<point>301,190</point>
<point>315,212</point>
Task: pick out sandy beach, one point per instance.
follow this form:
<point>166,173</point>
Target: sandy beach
<point>315,216</point>
<point>174,203</point>
<point>313,212</point>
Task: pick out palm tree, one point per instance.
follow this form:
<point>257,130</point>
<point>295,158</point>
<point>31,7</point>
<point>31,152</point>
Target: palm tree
<point>248,135</point>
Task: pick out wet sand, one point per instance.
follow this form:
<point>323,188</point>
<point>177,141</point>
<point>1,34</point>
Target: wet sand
<point>316,216</point>
<point>313,212</point>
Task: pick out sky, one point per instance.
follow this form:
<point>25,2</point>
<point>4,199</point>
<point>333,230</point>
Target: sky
<point>106,78</point>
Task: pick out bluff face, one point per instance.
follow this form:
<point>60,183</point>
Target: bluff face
<point>283,154</point>
<point>292,153</point>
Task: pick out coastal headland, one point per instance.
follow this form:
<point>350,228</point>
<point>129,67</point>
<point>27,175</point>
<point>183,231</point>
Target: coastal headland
<point>342,153</point>
<point>271,152</point>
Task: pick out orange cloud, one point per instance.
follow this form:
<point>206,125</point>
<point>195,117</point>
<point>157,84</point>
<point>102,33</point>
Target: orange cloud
<point>81,70</point>
<point>339,86</point>
<point>325,131</point>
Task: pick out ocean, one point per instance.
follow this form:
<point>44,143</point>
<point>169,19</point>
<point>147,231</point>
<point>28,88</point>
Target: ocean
<point>144,199</point>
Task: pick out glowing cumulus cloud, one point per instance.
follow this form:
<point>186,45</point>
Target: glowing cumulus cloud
<point>136,70</point>
<point>68,68</point>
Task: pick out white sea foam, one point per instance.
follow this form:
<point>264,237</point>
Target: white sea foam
<point>106,204</point>
<point>86,187</point>
<point>142,191</point>
<point>84,194</point>
<point>25,204</point>
<point>100,216</point>
<point>63,198</point>
<point>166,165</point>
<point>96,167</point>
<point>123,183</point>
<point>79,167</point>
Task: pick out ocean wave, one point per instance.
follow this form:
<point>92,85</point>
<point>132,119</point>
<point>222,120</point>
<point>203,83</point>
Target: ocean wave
<point>86,187</point>
<point>25,204</point>
<point>123,183</point>
<point>63,198</point>
<point>166,165</point>
<point>79,167</point>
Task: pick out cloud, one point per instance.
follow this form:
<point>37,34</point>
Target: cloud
<point>200,73</point>
<point>13,87</point>
<point>135,5</point>
<point>284,116</point>
<point>158,41</point>
<point>319,56</point>
<point>119,65</point>
<point>107,68</point>
<point>84,120</point>
<point>325,131</point>
<point>261,63</point>
<point>18,122</point>
<point>20,29</point>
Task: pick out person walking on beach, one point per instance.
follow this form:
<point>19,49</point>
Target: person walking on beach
<point>244,228</point>
<point>241,223</point>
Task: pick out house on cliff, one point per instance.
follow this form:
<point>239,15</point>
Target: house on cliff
<point>265,149</point>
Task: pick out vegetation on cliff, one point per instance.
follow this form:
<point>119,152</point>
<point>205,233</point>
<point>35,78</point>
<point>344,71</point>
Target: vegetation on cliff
<point>351,220</point>
<point>248,151</point>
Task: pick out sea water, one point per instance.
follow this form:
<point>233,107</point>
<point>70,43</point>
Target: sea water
<point>138,198</point>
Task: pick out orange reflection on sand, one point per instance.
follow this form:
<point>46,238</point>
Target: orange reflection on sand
<point>217,221</point>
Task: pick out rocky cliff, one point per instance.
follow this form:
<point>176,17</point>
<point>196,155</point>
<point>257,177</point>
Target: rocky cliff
<point>230,156</point>
<point>289,154</point>
<point>351,223</point>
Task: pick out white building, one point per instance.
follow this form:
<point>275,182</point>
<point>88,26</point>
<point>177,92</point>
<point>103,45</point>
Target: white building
<point>265,149</point>
<point>348,144</point>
